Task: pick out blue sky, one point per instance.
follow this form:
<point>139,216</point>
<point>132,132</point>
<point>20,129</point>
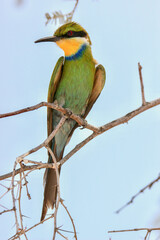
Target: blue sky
<point>105,174</point>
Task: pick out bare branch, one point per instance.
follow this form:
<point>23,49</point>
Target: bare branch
<point>58,191</point>
<point>5,211</point>
<point>63,18</point>
<point>69,114</point>
<point>134,230</point>
<point>148,186</point>
<point>141,82</point>
<point>29,229</point>
<point>26,168</point>
<point>5,193</point>
<point>26,184</point>
<point>147,235</point>
<point>19,205</point>
<point>13,199</point>
<point>62,235</point>
<point>74,228</point>
<point>111,125</point>
<point>45,143</point>
<point>149,230</point>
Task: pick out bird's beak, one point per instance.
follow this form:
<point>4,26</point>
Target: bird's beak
<point>48,39</point>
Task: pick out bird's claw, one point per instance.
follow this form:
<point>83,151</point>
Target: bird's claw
<point>68,112</point>
<point>84,125</point>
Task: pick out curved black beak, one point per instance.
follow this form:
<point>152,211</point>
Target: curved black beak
<point>48,39</point>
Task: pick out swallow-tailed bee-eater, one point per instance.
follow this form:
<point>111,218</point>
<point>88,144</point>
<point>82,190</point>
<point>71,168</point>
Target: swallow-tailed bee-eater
<point>75,84</point>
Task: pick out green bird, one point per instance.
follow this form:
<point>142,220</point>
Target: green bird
<point>75,84</point>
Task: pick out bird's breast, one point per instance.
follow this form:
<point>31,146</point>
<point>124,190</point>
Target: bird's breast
<point>76,84</point>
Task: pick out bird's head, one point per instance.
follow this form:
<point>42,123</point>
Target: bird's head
<point>69,37</point>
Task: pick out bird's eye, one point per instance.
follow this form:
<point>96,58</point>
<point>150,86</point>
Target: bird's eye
<point>70,33</point>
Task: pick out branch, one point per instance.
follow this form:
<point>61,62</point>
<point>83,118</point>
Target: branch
<point>134,230</point>
<point>141,82</point>
<point>58,191</point>
<point>8,189</point>
<point>13,199</point>
<point>149,230</point>
<point>26,168</point>
<point>148,186</point>
<point>29,229</point>
<point>45,143</point>
<point>111,125</point>
<point>63,18</point>
<point>5,211</point>
<point>68,113</point>
<point>19,206</point>
<point>62,235</point>
<point>74,228</point>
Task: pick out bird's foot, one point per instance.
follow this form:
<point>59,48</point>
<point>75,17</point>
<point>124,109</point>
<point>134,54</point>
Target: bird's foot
<point>68,112</point>
<point>84,124</point>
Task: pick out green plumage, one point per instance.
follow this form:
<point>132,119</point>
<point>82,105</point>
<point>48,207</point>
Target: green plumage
<point>73,93</point>
<point>76,83</point>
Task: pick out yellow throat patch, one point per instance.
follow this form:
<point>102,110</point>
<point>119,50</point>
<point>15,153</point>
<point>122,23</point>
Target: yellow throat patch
<point>71,46</point>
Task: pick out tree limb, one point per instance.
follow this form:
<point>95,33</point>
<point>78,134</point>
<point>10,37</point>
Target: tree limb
<point>68,113</point>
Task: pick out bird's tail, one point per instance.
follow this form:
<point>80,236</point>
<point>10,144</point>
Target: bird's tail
<point>50,191</point>
<point>50,179</point>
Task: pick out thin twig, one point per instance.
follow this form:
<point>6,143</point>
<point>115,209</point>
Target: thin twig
<point>5,211</point>
<point>141,82</point>
<point>149,230</point>
<point>62,235</point>
<point>2,185</point>
<point>26,182</point>
<point>45,143</point>
<point>148,186</point>
<point>3,207</point>
<point>13,199</point>
<point>63,18</point>
<point>8,189</point>
<point>135,230</point>
<point>63,230</point>
<point>29,229</point>
<point>4,193</point>
<point>58,191</point>
<point>39,165</point>
<point>74,228</point>
<point>19,205</point>
<point>26,185</point>
<point>147,235</point>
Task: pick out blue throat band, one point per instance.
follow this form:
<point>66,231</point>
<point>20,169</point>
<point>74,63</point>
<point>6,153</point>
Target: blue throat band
<point>77,54</point>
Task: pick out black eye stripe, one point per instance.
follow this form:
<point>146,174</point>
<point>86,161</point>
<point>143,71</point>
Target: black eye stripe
<point>75,34</point>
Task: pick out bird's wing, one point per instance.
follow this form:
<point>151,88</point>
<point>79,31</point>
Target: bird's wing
<point>99,81</point>
<point>55,79</point>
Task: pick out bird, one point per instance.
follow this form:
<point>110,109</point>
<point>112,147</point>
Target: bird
<point>76,83</point>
